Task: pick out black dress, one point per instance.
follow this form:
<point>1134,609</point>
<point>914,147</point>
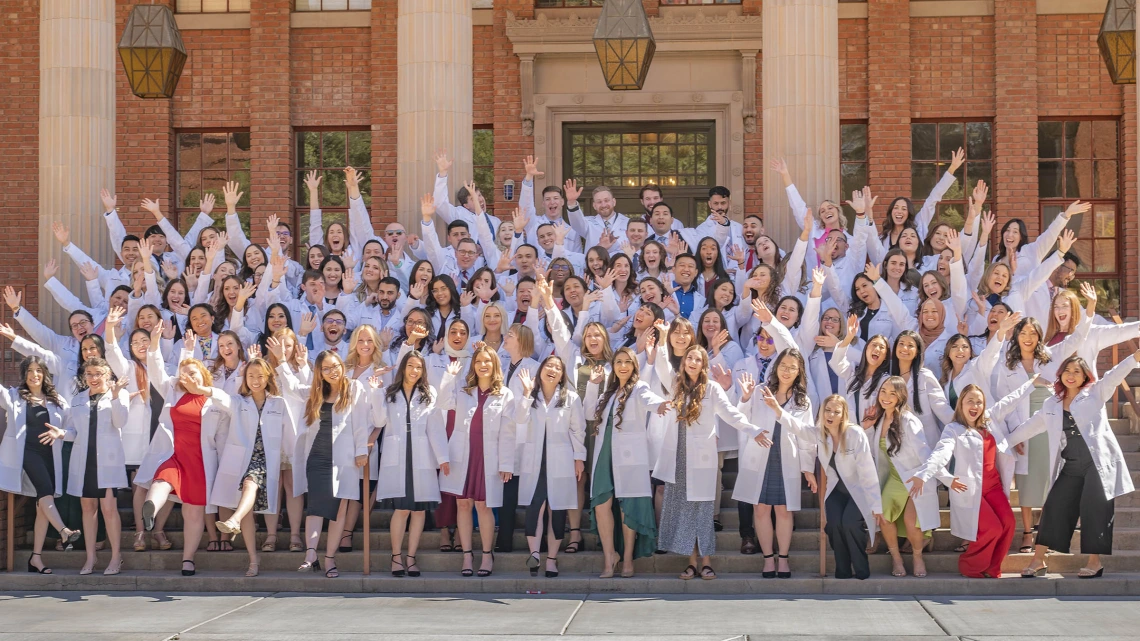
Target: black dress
<point>39,462</point>
<point>91,489</point>
<point>408,500</point>
<point>319,470</point>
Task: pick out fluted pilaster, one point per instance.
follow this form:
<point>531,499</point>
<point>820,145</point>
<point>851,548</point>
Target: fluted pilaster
<point>801,106</point>
<point>434,97</point>
<point>77,133</point>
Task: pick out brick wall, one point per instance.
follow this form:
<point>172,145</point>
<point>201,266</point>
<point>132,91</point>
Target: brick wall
<point>1015,120</point>
<point>888,80</point>
<point>853,95</point>
<point>271,137</point>
<point>483,85</point>
<point>510,143</point>
<point>952,67</point>
<point>215,81</point>
<point>328,85</point>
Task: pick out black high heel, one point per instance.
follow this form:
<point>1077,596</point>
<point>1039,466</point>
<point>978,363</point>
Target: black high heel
<point>402,569</point>
<point>331,572</point>
<point>784,575</point>
<point>343,547</point>
<point>190,572</point>
<point>574,546</point>
<point>552,574</point>
<point>314,566</point>
<point>766,574</point>
<point>412,561</point>
<point>532,563</point>
<point>33,569</point>
<point>485,573</point>
<point>465,572</point>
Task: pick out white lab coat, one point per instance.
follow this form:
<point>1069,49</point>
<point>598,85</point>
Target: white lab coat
<point>701,460</point>
<point>274,421</point>
<point>350,430</point>
<point>936,411</point>
<point>215,425</point>
<point>1088,409</point>
<point>563,431</point>
<point>12,477</point>
<point>855,464</point>
<point>797,452</point>
<point>909,462</point>
<point>136,433</point>
<point>296,405</point>
<point>112,411</point>
<point>967,447</point>
<point>631,446</point>
<point>429,444</point>
<point>499,418</point>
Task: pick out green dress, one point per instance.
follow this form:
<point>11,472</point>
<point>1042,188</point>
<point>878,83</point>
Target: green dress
<point>638,511</point>
<point>894,494</point>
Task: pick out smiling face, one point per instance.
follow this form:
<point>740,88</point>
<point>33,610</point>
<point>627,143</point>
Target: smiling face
<point>1073,377</point>
<point>973,406</point>
<point>98,378</point>
<point>333,273</point>
<point>997,314</point>
<point>1062,312</point>
<point>594,340</point>
<point>877,351</point>
<point>906,350</point>
<point>622,268</point>
<point>506,233</point>
<point>931,287</point>
<point>230,290</point>
<point>560,270</point>
<point>34,377</point>
<point>899,212</point>
<point>80,325</point>
<point>330,367</point>
<point>944,258</point>
<point>651,255</point>
<point>484,365</point>
<point>333,328</point>
<point>335,236</point>
<point>424,273</point>
<point>316,257</point>
<point>595,262</point>
<point>492,319</point>
<point>998,278</point>
<point>140,343</point>
<point>441,293</point>
<point>960,351</point>
<point>766,250</point>
<point>787,371</point>
<point>834,413</point>
<point>413,370</point>
<point>932,314</point>
<point>253,257</point>
<point>751,228</point>
<point>650,292</point>
<point>723,295</point>
<point>642,318</point>
<point>787,313</point>
<point>624,366</point>
<point>365,346</point>
<point>831,322</point>
<point>661,220</point>
<point>1028,339</point>
<point>680,337</point>
<point>89,349</point>
<point>552,202</point>
<point>229,349</point>
<point>829,214</point>
<point>176,295</point>
<point>201,321</point>
<point>551,372</point>
<point>865,291</point>
<point>765,346</point>
<point>457,336</point>
<point>896,268</point>
<point>604,204</point>
<point>276,319</point>
<point>694,363</point>
<point>1011,236</point>
<point>938,237</point>
<point>573,292</point>
<point>887,397</point>
<point>193,373</point>
<point>196,261</point>
<point>256,378</point>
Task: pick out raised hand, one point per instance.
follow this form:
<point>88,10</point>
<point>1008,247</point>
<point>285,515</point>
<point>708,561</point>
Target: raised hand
<point>597,374</point>
<point>736,254</point>
<point>607,239</point>
<point>253,351</point>
<point>386,335</point>
<point>981,192</point>
<point>1077,207</point>
<point>308,323</point>
<point>818,277</point>
<point>520,220</point>
<point>62,234</point>
<point>438,347</point>
<point>7,332</point>
<point>779,165</point>
<point>719,341</point>
<point>247,290</point>
<point>156,334</point>
<point>770,399</point>
<point>852,329</point>
<point>232,196</point>
<point>454,367</point>
<point>747,386</point>
<point>1065,242</point>
<point>352,179</point>
<point>954,241</point>
<point>348,281</point>
<point>110,201</point>
<point>313,184</point>
<point>12,298</point>
<point>417,290</point>
<point>651,347</point>
<point>721,376</point>
<point>427,207</point>
<point>374,382</point>
<point>190,385</point>
<point>91,272</point>
<point>761,311</point>
<point>607,279</point>
<point>573,192</point>
<point>857,203</point>
<point>827,255</point>
<point>206,203</point>
<point>988,222</point>
<point>872,272</point>
<point>115,316</point>
<point>474,201</point>
<point>466,298</point>
<point>276,348</point>
<point>531,168</point>
<point>561,230</point>
<point>51,269</point>
<point>1007,324</point>
<point>956,160</point>
<point>1089,292</point>
<point>827,340</point>
<point>442,162</point>
<point>153,206</point>
<point>527,381</point>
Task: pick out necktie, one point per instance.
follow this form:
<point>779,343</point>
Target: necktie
<point>751,259</point>
<point>462,278</point>
<point>511,372</point>
<point>762,366</point>
<point>520,316</point>
<point>309,339</point>
<point>450,413</point>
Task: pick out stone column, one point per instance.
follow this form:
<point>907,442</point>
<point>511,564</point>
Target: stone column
<point>78,62</point>
<point>434,98</point>
<point>801,106</point>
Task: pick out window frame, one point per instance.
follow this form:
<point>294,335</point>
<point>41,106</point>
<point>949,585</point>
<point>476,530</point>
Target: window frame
<point>202,11</point>
<point>844,194</point>
<point>299,219</point>
<point>941,165</point>
<point>348,6</point>
<point>488,190</point>
<point>177,210</point>
<point>1061,202</point>
<point>561,4</point>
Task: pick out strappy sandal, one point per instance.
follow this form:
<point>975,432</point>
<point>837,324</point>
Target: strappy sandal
<point>963,547</point>
<point>295,545</point>
<point>69,536</point>
<point>161,539</point>
<point>1026,549</point>
<point>140,541</point>
<point>343,547</point>
<point>532,563</point>
<point>1033,573</point>
<point>33,569</point>
<point>895,572</point>
<point>225,546</point>
<point>914,559</point>
<point>411,563</point>
<point>707,573</point>
<point>486,573</point>
<point>1087,573</point>
<point>784,575</point>
<point>270,544</point>
<point>467,572</point>
<point>213,546</point>
<point>310,566</point>
<point>769,574</point>
<point>402,571</point>
<point>574,546</point>
<point>689,573</point>
<point>225,527</point>
<point>252,571</point>
<point>331,572</point>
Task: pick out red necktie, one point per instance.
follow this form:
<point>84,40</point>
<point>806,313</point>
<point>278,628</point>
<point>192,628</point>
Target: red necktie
<point>751,259</point>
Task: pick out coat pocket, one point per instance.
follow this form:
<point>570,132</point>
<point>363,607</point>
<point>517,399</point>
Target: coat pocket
<point>390,451</point>
<point>560,461</point>
<point>630,450</point>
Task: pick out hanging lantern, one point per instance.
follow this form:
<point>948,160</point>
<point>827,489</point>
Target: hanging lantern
<point>1117,41</point>
<point>152,51</point>
<point>624,44</point>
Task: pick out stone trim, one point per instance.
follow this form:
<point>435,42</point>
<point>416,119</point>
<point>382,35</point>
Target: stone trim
<point>327,19</point>
<point>195,21</point>
<point>482,17</point>
<point>950,8</point>
<point>673,32</point>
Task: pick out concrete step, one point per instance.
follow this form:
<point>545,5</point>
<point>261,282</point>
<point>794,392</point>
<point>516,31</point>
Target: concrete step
<point>568,582</point>
<point>1120,426</point>
<point>725,562</point>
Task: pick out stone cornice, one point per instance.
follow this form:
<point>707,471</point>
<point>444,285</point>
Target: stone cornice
<point>718,31</point>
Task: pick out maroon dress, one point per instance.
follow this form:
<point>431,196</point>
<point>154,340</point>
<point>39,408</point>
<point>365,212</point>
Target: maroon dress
<point>446,514</point>
<point>186,471</point>
<point>475,487</point>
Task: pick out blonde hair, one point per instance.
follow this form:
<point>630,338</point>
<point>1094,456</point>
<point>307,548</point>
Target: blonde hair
<point>353,359</point>
<point>983,285</point>
<point>844,423</point>
<point>960,415</point>
<point>207,378</point>
<point>294,360</point>
<point>502,317</point>
<point>341,389</point>
<point>1052,327</point>
<point>271,387</point>
<point>472,381</point>
<point>525,338</point>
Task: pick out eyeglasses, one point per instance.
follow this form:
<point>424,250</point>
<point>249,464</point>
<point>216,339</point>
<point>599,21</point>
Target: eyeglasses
<point>95,374</point>
<point>81,324</point>
<point>467,252</point>
<point>787,368</point>
<point>764,341</point>
<point>284,233</point>
<point>331,369</point>
<point>559,268</point>
<point>334,321</point>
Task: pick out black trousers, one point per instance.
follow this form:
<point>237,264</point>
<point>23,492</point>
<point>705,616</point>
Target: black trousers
<point>745,511</point>
<point>505,541</point>
<point>847,536</point>
<point>1075,497</point>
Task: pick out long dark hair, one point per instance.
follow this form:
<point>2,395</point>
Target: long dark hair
<point>861,375</point>
<point>403,336</point>
<point>433,307</point>
<point>858,307</point>
<point>889,226</point>
<point>332,258</point>
<point>701,340</point>
<point>421,385</point>
<point>470,286</point>
<point>266,332</point>
<point>622,392</point>
<point>222,306</point>
<point>894,430</point>
<point>80,380</point>
<point>49,391</point>
<point>630,281</point>
<point>246,272</point>
<point>1022,242</point>
<point>947,364</point>
<point>799,386</point>
<point>1013,352</point>
<point>675,359</point>
<point>658,314</point>
<point>559,391</point>
<point>915,365</point>
<point>718,262</point>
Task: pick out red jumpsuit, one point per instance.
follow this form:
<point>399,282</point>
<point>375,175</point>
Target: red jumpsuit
<point>995,521</point>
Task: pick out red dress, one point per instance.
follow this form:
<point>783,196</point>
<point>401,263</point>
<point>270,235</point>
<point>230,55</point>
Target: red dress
<point>185,471</point>
<point>995,521</point>
<point>475,485</point>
